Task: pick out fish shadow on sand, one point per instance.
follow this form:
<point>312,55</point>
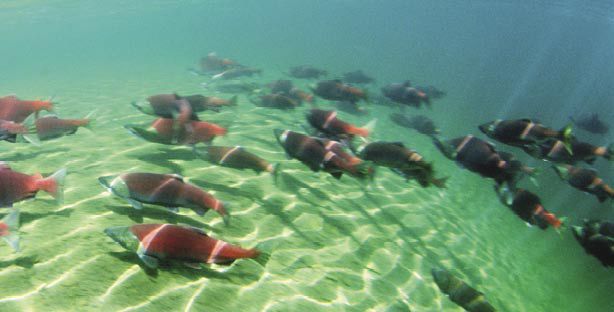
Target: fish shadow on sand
<point>151,212</point>
<point>222,188</point>
<point>238,274</point>
<point>26,262</point>
<point>164,157</point>
<point>25,156</point>
<point>27,217</point>
<point>270,143</point>
<point>294,185</point>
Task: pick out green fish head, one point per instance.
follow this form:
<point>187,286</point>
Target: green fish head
<point>442,278</point>
<point>123,236</point>
<point>562,171</point>
<point>115,185</point>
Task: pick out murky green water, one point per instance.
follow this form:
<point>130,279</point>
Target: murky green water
<point>335,245</point>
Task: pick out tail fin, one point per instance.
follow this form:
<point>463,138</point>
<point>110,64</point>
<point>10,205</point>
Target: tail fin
<point>233,100</point>
<point>54,185</point>
<point>275,172</point>
<point>265,249</point>
<point>552,220</point>
<point>440,182</point>
<point>12,222</point>
<point>90,119</point>
<point>566,136</point>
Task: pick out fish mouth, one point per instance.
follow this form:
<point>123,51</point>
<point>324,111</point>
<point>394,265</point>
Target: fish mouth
<point>278,135</point>
<point>577,231</point>
<point>106,182</point>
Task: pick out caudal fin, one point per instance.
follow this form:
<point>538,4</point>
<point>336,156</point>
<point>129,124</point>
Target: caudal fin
<point>54,185</point>
<point>233,100</point>
<point>11,235</point>
<point>440,182</point>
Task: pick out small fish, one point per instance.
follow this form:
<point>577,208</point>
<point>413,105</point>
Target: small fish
<point>597,239</point>
<point>460,293</point>
<point>51,127</point>
<point>524,132</point>
<point>328,123</point>
<point>591,124</point>
<point>336,90</point>
<point>168,242</point>
<point>235,157</point>
<point>528,207</point>
<point>357,76</point>
<point>9,225</point>
<point>419,123</point>
<point>16,186</point>
<point>168,190</point>
<point>404,93</point>
<point>306,72</point>
<point>585,180</point>
<point>402,160</point>
<point>313,153</point>
<point>275,100</point>
<point>554,150</point>
<point>16,110</point>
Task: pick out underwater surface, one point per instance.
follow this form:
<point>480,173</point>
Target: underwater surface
<point>334,245</point>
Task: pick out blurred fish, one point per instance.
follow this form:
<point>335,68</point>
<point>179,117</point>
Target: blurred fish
<point>460,293</point>
<point>213,63</point>
<point>235,157</point>
<point>168,190</point>
<point>306,72</point>
<point>168,242</point>
<point>528,207</point>
<point>285,87</point>
<point>51,127</point>
<point>233,87</point>
<point>16,110</point>
<point>9,225</point>
<point>275,100</point>
<point>431,92</point>
<point>162,132</point>
<point>597,239</point>
<point>16,186</point>
<point>404,93</point>
<point>585,180</point>
<point>401,160</point>
<point>419,123</point>
<point>524,132</point>
<point>555,151</point>
<point>201,103</point>
<point>591,124</point>
<point>168,106</point>
<point>351,108</point>
<point>314,153</point>
<point>336,90</point>
<point>327,122</point>
<point>357,76</point>
<point>237,72</point>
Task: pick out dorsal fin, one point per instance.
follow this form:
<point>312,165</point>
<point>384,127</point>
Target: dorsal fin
<point>193,228</point>
<point>175,176</point>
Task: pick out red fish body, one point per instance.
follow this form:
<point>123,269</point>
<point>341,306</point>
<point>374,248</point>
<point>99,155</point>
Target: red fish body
<point>16,186</point>
<point>194,132</point>
<point>162,189</point>
<point>50,127</point>
<point>154,242</point>
<point>327,122</point>
<point>235,157</point>
<point>14,109</point>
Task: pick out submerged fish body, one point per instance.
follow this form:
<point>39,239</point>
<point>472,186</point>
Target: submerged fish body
<point>168,190</point>
<point>528,207</point>
<point>276,100</point>
<point>419,123</point>
<point>460,293</point>
<point>357,76</point>
<point>555,150</point>
<point>235,157</point>
<point>523,132</point>
<point>404,93</point>
<point>16,186</point>
<point>597,239</point>
<point>328,123</point>
<point>50,127</point>
<point>306,72</point>
<point>591,124</point>
<point>162,131</point>
<point>336,90</point>
<point>16,110</point>
<point>586,180</point>
<point>168,242</point>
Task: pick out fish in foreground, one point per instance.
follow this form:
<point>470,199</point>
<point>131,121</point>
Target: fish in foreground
<point>235,157</point>
<point>404,93</point>
<point>51,127</point>
<point>168,242</point>
<point>528,207</point>
<point>14,109</point>
<point>16,186</point>
<point>585,180</point>
<point>524,132</point>
<point>336,90</point>
<point>597,238</point>
<point>460,293</point>
<point>591,124</point>
<point>555,151</point>
<point>401,160</point>
<point>327,122</point>
<point>168,190</point>
<point>314,153</point>
<point>419,123</point>
<point>9,226</point>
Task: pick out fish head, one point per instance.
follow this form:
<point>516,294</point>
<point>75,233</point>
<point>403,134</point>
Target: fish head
<point>489,127</point>
<point>144,107</point>
<point>562,171</point>
<point>442,278</point>
<point>123,236</point>
<point>281,135</point>
<point>115,185</point>
<point>578,232</point>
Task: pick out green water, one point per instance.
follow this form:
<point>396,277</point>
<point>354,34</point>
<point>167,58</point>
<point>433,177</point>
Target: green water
<point>334,245</point>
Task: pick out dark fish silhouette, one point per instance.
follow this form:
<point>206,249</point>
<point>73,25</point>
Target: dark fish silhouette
<point>585,180</point>
<point>404,93</point>
<point>357,76</point>
<point>524,132</point>
<point>419,123</point>
<point>591,124</point>
<point>528,207</point>
<point>597,239</point>
<point>460,293</point>
<point>306,72</point>
<point>555,151</point>
<point>336,90</point>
